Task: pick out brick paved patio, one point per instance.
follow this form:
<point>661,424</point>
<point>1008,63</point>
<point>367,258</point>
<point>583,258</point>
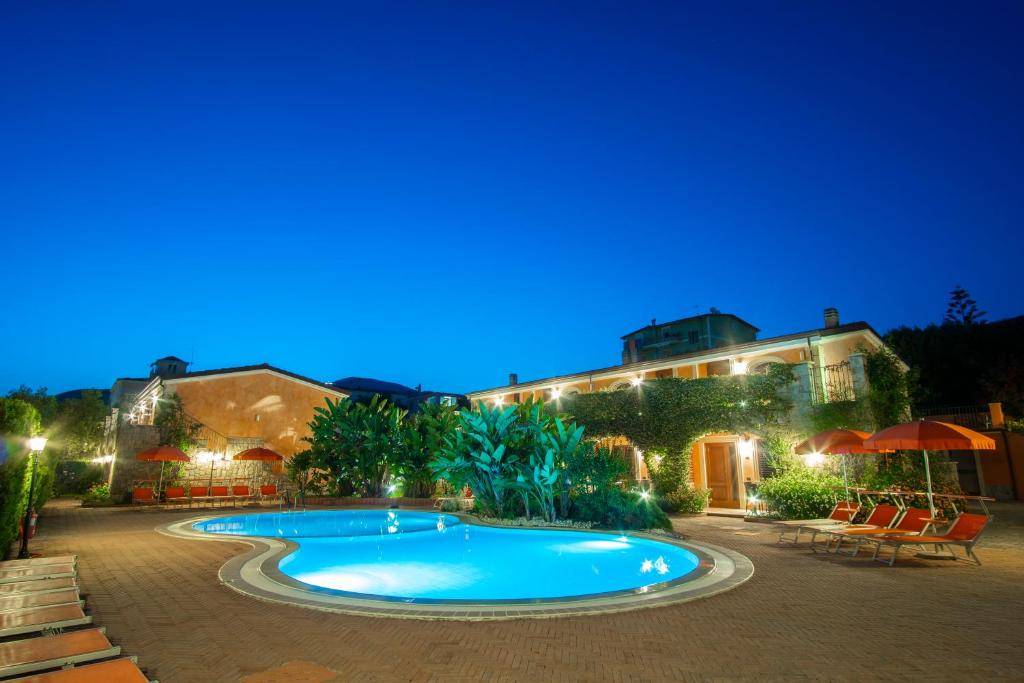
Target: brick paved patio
<point>802,617</point>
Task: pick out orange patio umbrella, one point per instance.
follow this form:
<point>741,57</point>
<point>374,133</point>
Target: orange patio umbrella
<point>836,442</point>
<point>162,454</point>
<point>929,435</point>
<point>261,454</point>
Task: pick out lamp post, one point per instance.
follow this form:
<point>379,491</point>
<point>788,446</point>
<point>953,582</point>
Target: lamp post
<point>36,445</point>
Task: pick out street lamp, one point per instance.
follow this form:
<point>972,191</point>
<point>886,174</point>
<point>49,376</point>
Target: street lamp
<point>36,444</point>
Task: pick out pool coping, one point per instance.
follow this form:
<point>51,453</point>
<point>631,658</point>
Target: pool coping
<point>255,573</point>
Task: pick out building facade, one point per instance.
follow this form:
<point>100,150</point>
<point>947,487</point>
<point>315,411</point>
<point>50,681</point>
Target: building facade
<point>828,364</point>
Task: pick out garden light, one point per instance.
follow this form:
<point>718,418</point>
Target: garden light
<point>814,459</point>
<point>37,443</point>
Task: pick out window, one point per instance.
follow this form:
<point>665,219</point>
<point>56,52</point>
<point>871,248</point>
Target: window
<point>692,336</point>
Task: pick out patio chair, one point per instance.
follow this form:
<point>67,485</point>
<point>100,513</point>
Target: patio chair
<point>220,493</point>
<point>843,512</point>
<point>241,492</point>
<point>964,533</point>
<point>18,601</point>
<point>36,586</point>
<point>270,492</point>
<point>913,521</point>
<point>19,657</point>
<point>200,494</point>
<point>30,573</point>
<point>143,495</point>
<point>41,619</point>
<point>176,494</point>
<point>880,517</point>
<point>123,670</point>
<point>39,561</point>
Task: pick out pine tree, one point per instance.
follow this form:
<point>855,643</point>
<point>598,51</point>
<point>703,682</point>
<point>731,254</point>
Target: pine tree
<point>962,309</point>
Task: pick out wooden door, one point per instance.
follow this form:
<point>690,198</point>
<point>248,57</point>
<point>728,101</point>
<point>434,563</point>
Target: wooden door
<point>720,463</point>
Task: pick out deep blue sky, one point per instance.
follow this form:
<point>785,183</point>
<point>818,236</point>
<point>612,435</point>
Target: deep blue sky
<point>446,193</point>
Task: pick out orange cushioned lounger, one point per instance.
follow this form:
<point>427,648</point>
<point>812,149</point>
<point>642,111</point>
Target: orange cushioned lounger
<point>199,493</point>
<point>41,618</point>
<point>36,586</point>
<point>881,517</point>
<point>241,492</point>
<point>114,671</point>
<point>841,514</point>
<point>39,561</point>
<point>220,492</point>
<point>20,657</point>
<point>46,571</point>
<point>141,495</point>
<point>175,494</point>
<point>964,532</point>
<point>18,601</point>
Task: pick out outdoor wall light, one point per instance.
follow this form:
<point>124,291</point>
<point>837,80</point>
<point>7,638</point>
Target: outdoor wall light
<point>499,400</point>
<point>103,459</point>
<point>556,394</point>
<point>746,446</point>
<point>739,367</point>
<point>814,459</point>
<point>637,381</point>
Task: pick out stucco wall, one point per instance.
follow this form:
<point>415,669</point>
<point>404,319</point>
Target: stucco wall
<point>259,404</point>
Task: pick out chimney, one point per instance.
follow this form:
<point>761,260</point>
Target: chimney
<point>513,379</point>
<point>831,318</point>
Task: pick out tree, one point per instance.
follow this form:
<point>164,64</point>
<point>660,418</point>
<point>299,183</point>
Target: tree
<point>78,426</point>
<point>300,468</point>
<point>962,309</point>
<point>423,437</point>
<point>44,404</point>
<point>173,424</point>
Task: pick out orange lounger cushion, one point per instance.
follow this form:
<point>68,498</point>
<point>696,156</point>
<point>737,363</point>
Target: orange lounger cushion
<point>36,586</point>
<point>220,491</point>
<point>200,492</point>
<point>27,621</point>
<point>142,495</point>
<point>17,654</point>
<point>114,671</point>
<point>174,492</point>
<point>240,490</point>
<point>268,490</point>
<point>28,600</point>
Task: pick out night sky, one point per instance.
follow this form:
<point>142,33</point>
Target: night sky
<point>444,193</point>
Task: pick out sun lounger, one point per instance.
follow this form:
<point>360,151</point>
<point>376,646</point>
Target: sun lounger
<point>143,495</point>
<point>199,494</point>
<point>37,586</point>
<point>913,521</point>
<point>40,619</point>
<point>881,517</point>
<point>19,657</point>
<point>964,533</point>
<point>842,513</point>
<point>47,571</point>
<point>176,494</point>
<point>39,561</point>
<point>220,493</point>
<point>241,493</point>
<point>269,492</point>
<point>18,601</point>
<point>122,670</point>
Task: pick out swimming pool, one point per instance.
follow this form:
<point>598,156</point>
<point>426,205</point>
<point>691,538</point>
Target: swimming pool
<point>421,557</point>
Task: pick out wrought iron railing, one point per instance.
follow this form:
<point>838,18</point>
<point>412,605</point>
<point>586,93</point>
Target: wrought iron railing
<point>834,383</point>
<point>972,417</point>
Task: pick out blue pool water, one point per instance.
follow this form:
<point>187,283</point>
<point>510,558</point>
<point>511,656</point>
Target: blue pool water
<point>428,556</point>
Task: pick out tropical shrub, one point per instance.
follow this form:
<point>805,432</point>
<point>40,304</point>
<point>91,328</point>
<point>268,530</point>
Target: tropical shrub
<point>687,499</point>
<point>97,493</point>
<point>76,476</point>
<point>422,438</point>
<point>800,493</point>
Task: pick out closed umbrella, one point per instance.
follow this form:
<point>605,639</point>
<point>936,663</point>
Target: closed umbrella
<point>929,435</point>
<point>837,442</point>
<point>162,454</point>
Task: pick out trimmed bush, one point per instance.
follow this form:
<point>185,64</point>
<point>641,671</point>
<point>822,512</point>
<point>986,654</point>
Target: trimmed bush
<point>686,499</point>
<point>800,494</point>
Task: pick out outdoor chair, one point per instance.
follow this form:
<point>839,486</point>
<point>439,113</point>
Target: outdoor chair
<point>176,494</point>
<point>270,492</point>
<point>964,533</point>
<point>35,573</point>
<point>843,512</point>
<point>200,494</point>
<point>880,517</point>
<point>220,493</point>
<point>31,585</point>
<point>19,601</point>
<point>19,657</point>
<point>241,492</point>
<point>143,495</point>
<point>123,670</point>
<point>41,619</point>
<point>39,561</point>
<point>913,521</point>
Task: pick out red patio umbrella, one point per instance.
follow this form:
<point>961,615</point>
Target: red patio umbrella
<point>837,442</point>
<point>162,454</point>
<point>929,435</point>
<point>261,454</point>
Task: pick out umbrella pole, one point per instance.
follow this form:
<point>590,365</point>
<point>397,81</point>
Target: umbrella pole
<point>928,478</point>
<point>211,477</point>
<point>846,480</point>
<point>160,486</point>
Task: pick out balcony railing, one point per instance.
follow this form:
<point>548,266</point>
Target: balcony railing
<point>833,383</point>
